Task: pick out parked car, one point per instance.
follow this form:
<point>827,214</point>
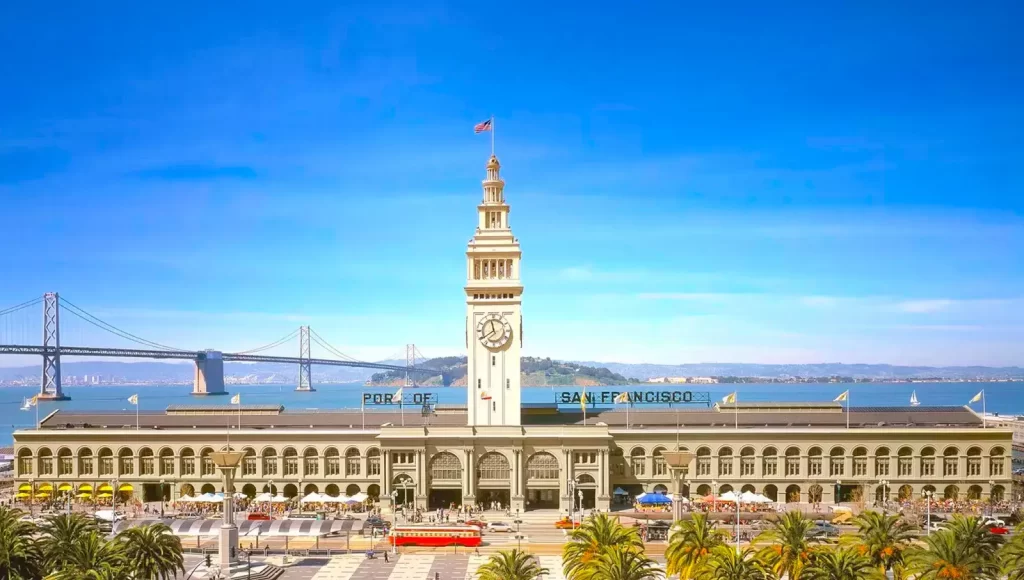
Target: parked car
<point>823,530</point>
<point>998,530</point>
<point>478,523</point>
<point>498,527</point>
<point>258,517</point>
<point>565,524</point>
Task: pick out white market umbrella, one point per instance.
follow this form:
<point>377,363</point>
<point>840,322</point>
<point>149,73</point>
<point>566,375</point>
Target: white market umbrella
<point>313,497</point>
<point>335,499</point>
<point>620,491</point>
<point>748,497</point>
<point>186,498</point>
<point>762,499</point>
<point>359,497</point>
<point>239,495</point>
<point>727,496</point>
<point>279,499</point>
<point>263,497</point>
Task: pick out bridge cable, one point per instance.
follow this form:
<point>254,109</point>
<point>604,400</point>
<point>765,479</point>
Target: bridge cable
<point>277,342</point>
<point>322,342</point>
<point>81,313</point>
<point>21,306</point>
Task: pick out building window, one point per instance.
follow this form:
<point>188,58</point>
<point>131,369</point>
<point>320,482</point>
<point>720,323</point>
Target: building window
<point>586,458</point>
<point>65,465</point>
<point>403,457</point>
<point>206,465</point>
<point>746,466</point>
<point>995,466</point>
<point>494,466</point>
<point>127,466</point>
<point>860,466</point>
<point>445,466</point>
<point>291,465</point>
<point>637,465</point>
<point>905,466</point>
<point>973,466</point>
<point>373,463</point>
<point>249,466</point>
<point>814,466</point>
<point>86,465</point>
<point>270,465</point>
<point>25,465</point>
<point>836,466</point>
<point>106,466</point>
<point>927,466</point>
<point>770,466</point>
<point>949,466</point>
<point>703,466</point>
<point>46,466</point>
<point>167,465</point>
<point>542,466</point>
<point>311,466</point>
<point>660,467</point>
<point>882,467</point>
<point>148,466</point>
<point>792,466</point>
<point>725,466</point>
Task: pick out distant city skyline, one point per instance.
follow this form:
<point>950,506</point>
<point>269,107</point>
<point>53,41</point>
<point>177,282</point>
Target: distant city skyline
<point>777,188</point>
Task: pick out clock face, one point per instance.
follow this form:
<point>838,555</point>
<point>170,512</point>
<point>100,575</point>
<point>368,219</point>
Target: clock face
<point>494,331</point>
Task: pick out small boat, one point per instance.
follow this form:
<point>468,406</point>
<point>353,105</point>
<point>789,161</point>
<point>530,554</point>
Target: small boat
<point>913,399</point>
<point>25,405</point>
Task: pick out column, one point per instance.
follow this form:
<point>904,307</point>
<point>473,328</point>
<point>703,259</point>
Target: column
<point>915,467</point>
<point>385,473</point>
<point>758,466</point>
<point>986,466</point>
<point>471,474</point>
<point>259,468</point>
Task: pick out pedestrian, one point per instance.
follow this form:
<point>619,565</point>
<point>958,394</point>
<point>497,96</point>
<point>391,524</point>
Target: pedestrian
<point>386,557</point>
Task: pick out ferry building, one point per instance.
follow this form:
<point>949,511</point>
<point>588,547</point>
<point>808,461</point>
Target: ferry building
<point>494,448</point>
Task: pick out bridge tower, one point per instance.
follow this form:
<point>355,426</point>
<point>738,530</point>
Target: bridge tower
<point>305,377</point>
<point>410,364</point>
<point>50,388</point>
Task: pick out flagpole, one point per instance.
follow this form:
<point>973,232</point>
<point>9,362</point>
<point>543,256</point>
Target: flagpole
<point>628,405</point>
<point>362,410</point>
<point>984,420</point>
<point>136,414</point>
<point>847,409</point>
<point>492,135</point>
<point>736,410</point>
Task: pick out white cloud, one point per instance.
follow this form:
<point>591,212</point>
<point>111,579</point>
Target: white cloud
<point>924,306</point>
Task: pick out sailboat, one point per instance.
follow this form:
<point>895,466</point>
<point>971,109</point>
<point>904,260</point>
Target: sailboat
<point>913,399</point>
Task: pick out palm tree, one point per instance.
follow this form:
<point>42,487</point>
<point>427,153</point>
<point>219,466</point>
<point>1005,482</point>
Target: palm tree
<point>1012,556</point>
<point>93,558</point>
<point>20,555</point>
<point>883,539</point>
<point>944,557</point>
<point>620,562</point>
<point>597,534</point>
<point>971,533</point>
<point>510,565</point>
<point>790,549</point>
<point>691,544</point>
<point>726,564</point>
<point>842,564</point>
<point>59,535</point>
<point>153,552</point>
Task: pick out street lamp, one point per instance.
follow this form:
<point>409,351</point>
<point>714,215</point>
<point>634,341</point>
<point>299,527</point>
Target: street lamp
<point>272,494</point>
<point>31,497</point>
<point>679,463</point>
<point>227,462</point>
<point>714,495</point>
<point>570,487</point>
<point>928,506</point>
<point>113,496</point>
<point>839,487</point>
<point>885,492</point>
<point>579,494</point>
<point>163,494</point>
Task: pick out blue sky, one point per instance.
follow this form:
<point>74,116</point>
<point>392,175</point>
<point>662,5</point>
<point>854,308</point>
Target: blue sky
<point>748,183</point>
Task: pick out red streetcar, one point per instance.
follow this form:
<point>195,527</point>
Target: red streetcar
<point>468,536</point>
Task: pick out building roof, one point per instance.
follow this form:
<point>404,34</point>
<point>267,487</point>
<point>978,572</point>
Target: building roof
<point>776,416</point>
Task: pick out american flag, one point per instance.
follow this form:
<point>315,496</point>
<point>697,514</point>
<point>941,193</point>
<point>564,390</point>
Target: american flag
<point>481,127</point>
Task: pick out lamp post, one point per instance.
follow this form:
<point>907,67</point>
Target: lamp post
<point>928,507</point>
<point>163,494</point>
<point>714,495</point>
<point>31,497</point>
<point>885,493</point>
<point>113,496</point>
<point>838,489</point>
<point>227,462</point>
<point>272,494</point>
<point>679,463</point>
<point>570,487</point>
<point>579,495</point>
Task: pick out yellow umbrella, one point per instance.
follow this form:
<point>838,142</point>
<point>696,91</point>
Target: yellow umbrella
<point>42,494</point>
<point>64,487</point>
<point>126,487</point>
<point>21,495</point>
<point>83,494</point>
<point>85,487</point>
<point>25,487</point>
<point>46,487</point>
<point>106,487</point>
<point>105,495</point>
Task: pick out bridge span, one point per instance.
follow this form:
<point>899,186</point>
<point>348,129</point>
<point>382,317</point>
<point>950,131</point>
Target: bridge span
<point>209,364</point>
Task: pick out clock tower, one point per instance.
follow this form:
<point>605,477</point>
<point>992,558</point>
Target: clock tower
<point>494,322</point>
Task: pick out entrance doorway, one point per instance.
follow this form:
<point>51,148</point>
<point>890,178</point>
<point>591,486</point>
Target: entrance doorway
<point>486,497</point>
<point>444,498</point>
<point>589,499</point>
<point>541,499</point>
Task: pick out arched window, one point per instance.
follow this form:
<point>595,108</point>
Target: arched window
<point>310,462</point>
<point>950,461</point>
<point>249,463</point>
<point>206,462</point>
<point>837,462</point>
<point>85,463</point>
<point>147,465</point>
<point>997,493</point>
<point>25,462</point>
<point>126,462</point>
<point>372,462</point>
<point>770,462</point>
<point>814,463</point>
<point>905,493</point>
<point>637,464</point>
<point>65,462</point>
<point>660,468</point>
<point>974,466</point>
<point>586,480</point>
<point>269,461</point>
<point>703,490</point>
<point>951,492</point>
<point>166,461</point>
<point>814,493</point>
<point>542,465</point>
<point>997,461</point>
<point>46,461</point>
<point>882,462</point>
<point>793,494</point>
<point>792,462</point>
<point>860,461</point>
<point>494,466</point>
<point>703,461</point>
<point>445,467</point>
<point>928,462</point>
<point>353,462</point>
<point>747,462</point>
<point>905,462</point>
<point>188,461</point>
<point>725,461</point>
<point>974,492</point>
<point>291,463</point>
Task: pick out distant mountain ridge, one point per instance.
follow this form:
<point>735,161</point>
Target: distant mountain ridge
<point>780,371</point>
<point>538,369</point>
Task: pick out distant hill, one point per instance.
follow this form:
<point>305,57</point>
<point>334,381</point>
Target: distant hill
<point>782,371</point>
<point>535,372</point>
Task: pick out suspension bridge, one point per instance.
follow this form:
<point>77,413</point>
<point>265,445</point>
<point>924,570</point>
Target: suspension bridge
<point>15,332</point>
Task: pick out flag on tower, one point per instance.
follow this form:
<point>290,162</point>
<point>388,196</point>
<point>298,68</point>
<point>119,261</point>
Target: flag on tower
<point>237,399</point>
<point>730,399</point>
<point>977,397</point>
<point>842,396</point>
<point>33,401</point>
<point>622,397</point>
<point>397,397</point>
<point>134,399</point>
<point>482,126</point>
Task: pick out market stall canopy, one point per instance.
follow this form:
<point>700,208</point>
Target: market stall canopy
<point>620,491</point>
<point>186,498</point>
<point>359,497</point>
<point>653,499</point>
<point>263,497</point>
<point>313,497</point>
<point>727,496</point>
<point>309,528</point>
<point>279,499</point>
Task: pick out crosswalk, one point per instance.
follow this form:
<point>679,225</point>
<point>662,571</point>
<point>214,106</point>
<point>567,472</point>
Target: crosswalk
<point>415,567</point>
<point>412,567</point>
<point>554,566</point>
<point>340,568</point>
